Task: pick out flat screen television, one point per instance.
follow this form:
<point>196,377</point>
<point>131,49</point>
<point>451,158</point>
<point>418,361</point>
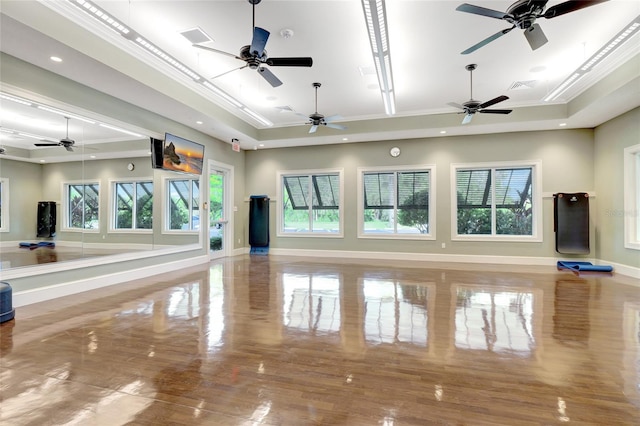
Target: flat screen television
<point>182,155</point>
<point>157,147</point>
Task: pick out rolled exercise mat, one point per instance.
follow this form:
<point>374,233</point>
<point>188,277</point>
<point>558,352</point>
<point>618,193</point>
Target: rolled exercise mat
<point>584,266</point>
<point>571,222</point>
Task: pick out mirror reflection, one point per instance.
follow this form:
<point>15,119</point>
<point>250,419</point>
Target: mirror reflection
<point>74,186</point>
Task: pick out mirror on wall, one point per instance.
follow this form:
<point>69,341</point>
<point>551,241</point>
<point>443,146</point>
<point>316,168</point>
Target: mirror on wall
<point>74,185</point>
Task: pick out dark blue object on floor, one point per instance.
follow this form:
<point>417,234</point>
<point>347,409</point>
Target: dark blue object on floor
<point>6,302</point>
<point>583,266</point>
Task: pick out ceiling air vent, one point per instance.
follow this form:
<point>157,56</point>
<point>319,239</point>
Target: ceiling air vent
<point>521,85</point>
<point>196,35</point>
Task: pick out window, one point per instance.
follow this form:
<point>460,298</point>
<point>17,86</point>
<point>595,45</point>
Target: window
<point>82,205</point>
<point>395,203</point>
<point>499,202</point>
<point>133,205</point>
<point>311,203</point>
<point>183,211</point>
<point>4,205</point>
<point>632,197</point>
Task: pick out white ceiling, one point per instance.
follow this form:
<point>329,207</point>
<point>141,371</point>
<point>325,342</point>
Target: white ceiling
<point>426,38</point>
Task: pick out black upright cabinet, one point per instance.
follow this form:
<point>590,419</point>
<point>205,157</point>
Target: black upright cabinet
<point>46,226</point>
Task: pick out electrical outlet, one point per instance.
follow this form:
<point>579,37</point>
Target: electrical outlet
<point>444,245</point>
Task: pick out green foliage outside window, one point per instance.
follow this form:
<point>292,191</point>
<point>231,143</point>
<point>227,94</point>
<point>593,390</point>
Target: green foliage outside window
<point>418,216</point>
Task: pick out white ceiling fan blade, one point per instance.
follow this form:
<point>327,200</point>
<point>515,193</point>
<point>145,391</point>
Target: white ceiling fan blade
<point>331,118</point>
<point>336,126</point>
<point>535,36</point>
<point>227,72</point>
<point>270,77</point>
<point>211,49</point>
<point>313,128</point>
<point>467,119</point>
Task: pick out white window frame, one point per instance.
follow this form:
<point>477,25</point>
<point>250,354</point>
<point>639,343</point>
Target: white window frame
<point>280,175</point>
<point>65,207</point>
<point>536,198</point>
<point>166,208</point>
<point>431,235</point>
<point>632,197</point>
<point>113,205</point>
<point>4,221</point>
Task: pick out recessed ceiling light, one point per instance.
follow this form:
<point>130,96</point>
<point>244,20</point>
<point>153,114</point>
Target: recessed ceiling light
<point>261,144</point>
<point>345,139</point>
<point>198,122</point>
<point>56,59</point>
<point>92,156</point>
<point>442,132</point>
<point>562,124</point>
<point>42,161</point>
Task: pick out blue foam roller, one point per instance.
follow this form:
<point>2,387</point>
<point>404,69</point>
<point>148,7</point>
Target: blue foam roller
<point>6,302</point>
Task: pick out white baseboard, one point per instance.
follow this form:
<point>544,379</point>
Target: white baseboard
<point>42,294</point>
<point>618,268</point>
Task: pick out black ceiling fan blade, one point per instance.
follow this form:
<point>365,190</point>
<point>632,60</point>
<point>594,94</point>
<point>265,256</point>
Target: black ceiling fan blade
<point>493,101</point>
<point>47,144</point>
<point>211,49</point>
<point>289,62</point>
<point>270,77</point>
<point>455,105</point>
<point>483,11</point>
<point>259,41</point>
<point>486,41</point>
<point>535,36</point>
<point>495,111</point>
<point>569,6</point>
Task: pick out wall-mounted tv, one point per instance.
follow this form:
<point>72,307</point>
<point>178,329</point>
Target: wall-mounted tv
<point>157,147</point>
<point>182,155</point>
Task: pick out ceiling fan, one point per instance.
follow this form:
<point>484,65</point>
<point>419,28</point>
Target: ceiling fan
<point>523,14</point>
<point>256,57</point>
<point>316,119</point>
<point>472,106</point>
<point>65,142</point>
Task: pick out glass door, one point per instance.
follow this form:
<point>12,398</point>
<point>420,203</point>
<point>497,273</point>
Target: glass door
<point>217,216</point>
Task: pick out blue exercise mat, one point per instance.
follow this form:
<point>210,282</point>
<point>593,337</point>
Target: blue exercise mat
<point>583,266</point>
<point>38,244</point>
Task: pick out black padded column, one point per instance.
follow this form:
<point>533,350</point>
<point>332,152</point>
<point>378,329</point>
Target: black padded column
<point>259,221</point>
<point>571,222</point>
<point>46,226</point>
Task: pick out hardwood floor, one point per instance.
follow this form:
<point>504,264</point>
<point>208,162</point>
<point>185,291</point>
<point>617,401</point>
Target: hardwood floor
<point>275,340</point>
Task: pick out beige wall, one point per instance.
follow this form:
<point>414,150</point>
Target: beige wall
<point>611,139</point>
<point>567,166</point>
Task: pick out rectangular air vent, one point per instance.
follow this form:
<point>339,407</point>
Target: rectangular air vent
<point>521,85</point>
<point>196,35</point>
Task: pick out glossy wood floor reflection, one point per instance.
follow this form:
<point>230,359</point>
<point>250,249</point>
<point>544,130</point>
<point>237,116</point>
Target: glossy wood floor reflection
<point>274,340</point>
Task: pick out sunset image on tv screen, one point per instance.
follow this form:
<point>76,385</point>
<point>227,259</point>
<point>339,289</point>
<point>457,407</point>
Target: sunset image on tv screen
<point>182,155</point>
